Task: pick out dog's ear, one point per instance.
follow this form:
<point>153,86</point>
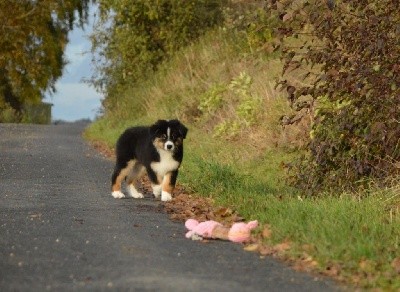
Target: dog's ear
<point>156,128</point>
<point>181,128</point>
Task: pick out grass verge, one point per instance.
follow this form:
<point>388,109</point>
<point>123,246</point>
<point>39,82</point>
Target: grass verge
<point>354,239</point>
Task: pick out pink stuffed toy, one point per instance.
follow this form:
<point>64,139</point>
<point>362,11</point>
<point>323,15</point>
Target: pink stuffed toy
<point>239,232</point>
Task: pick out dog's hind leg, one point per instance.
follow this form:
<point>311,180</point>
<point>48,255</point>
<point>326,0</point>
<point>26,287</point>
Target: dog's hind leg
<point>136,172</point>
<point>118,176</point>
<point>116,182</point>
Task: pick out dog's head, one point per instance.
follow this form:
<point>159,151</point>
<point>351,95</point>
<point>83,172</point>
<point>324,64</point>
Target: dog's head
<point>168,135</point>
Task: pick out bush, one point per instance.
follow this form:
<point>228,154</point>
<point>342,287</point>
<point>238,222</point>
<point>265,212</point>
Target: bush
<point>351,57</point>
<point>8,114</point>
<point>233,104</point>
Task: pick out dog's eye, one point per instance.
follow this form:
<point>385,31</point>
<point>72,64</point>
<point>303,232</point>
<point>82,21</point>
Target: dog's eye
<point>164,137</point>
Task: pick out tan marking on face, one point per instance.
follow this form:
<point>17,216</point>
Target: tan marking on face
<point>158,143</point>
<point>123,173</point>
<point>178,141</point>
<point>166,184</point>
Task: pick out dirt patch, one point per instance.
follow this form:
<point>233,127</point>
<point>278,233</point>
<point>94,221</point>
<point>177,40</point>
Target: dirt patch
<point>102,148</point>
<point>184,206</point>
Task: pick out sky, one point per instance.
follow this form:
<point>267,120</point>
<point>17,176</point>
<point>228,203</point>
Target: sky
<point>74,99</point>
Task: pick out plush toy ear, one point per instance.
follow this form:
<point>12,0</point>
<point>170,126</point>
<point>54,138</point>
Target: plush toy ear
<point>191,224</point>
<point>252,224</point>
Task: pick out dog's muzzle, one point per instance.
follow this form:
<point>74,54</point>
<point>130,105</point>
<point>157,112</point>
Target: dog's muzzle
<point>169,146</point>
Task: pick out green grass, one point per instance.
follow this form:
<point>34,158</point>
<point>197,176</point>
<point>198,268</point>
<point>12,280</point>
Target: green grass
<point>357,234</point>
<point>227,178</point>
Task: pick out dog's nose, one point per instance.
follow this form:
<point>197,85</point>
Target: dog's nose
<point>169,145</point>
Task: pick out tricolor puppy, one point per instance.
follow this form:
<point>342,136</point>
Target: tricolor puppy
<point>157,149</point>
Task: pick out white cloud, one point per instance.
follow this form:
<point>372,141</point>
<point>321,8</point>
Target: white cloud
<point>74,101</point>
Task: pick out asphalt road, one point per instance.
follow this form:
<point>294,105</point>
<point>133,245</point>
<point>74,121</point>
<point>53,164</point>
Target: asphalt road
<point>60,229</point>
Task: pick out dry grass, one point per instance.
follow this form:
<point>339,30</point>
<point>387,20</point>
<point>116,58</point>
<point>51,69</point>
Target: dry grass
<point>176,90</point>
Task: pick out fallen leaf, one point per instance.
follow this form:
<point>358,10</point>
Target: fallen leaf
<point>251,247</point>
<point>37,215</point>
<point>308,261</point>
<point>266,250</point>
<point>223,212</point>
<point>189,213</point>
<point>266,233</point>
<point>367,266</point>
<point>287,16</point>
<point>396,265</point>
<point>308,247</point>
<point>332,270</point>
<point>281,247</point>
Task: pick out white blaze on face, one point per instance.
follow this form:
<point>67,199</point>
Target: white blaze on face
<point>169,145</point>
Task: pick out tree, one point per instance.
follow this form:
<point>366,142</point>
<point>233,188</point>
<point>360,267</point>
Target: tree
<point>33,35</point>
<point>134,37</point>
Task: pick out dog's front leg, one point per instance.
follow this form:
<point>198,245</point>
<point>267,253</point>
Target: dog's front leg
<point>156,190</point>
<point>155,182</point>
<point>168,185</point>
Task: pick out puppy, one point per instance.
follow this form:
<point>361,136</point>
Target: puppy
<point>157,150</point>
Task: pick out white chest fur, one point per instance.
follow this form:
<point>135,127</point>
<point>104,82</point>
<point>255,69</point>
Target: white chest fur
<point>167,163</point>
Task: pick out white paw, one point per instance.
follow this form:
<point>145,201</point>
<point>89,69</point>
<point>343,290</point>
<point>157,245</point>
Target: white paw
<point>157,190</point>
<point>137,195</point>
<point>165,196</point>
<point>118,194</point>
<point>134,193</point>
